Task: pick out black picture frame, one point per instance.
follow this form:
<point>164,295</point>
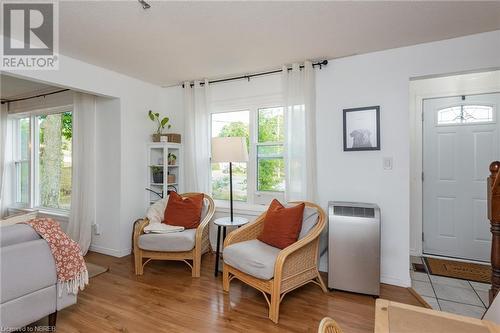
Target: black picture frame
<point>364,140</point>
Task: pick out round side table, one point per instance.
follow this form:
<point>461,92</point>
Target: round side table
<point>223,223</point>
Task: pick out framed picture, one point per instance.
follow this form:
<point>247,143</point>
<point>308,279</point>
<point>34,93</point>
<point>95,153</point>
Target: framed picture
<point>362,129</point>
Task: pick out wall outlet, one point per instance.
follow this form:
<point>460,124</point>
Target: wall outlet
<point>97,229</point>
<point>387,163</point>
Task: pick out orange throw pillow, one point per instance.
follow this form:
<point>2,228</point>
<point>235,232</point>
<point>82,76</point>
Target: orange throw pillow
<point>184,212</point>
<point>282,225</point>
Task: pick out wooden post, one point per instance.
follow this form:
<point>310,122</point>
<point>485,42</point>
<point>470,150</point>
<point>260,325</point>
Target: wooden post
<point>494,217</point>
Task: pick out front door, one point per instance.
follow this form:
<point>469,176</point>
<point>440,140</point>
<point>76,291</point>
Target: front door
<point>460,140</point>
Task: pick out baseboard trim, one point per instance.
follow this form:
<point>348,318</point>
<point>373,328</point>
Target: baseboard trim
<point>109,251</point>
<point>396,282</point>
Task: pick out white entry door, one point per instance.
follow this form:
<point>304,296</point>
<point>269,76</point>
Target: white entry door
<point>460,140</point>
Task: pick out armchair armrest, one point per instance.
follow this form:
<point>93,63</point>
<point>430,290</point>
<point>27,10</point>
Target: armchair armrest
<point>202,240</point>
<point>247,232</point>
<point>139,226</point>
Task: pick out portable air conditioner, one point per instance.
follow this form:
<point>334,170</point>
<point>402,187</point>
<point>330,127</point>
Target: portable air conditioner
<point>354,247</point>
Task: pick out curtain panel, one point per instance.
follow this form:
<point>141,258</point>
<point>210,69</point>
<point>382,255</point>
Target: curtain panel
<point>197,138</point>
<point>300,136</point>
<point>83,192</point>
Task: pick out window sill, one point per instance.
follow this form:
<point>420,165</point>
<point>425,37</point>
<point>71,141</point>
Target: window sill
<point>239,207</point>
<point>59,215</point>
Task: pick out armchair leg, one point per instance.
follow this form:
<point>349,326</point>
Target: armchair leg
<point>225,279</point>
<point>53,319</point>
<point>321,283</point>
<point>138,262</point>
<point>196,272</point>
<point>274,308</point>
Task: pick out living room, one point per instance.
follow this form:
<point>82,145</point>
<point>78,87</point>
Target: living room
<point>236,69</point>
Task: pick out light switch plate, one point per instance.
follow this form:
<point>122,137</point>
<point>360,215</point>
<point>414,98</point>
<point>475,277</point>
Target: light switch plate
<point>387,162</point>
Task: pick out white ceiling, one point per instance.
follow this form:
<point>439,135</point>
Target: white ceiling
<point>11,87</point>
<point>176,41</point>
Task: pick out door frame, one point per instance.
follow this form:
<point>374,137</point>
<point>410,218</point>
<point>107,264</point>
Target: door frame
<point>427,88</point>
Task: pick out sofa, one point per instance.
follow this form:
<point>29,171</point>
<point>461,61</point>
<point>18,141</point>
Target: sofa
<point>28,287</point>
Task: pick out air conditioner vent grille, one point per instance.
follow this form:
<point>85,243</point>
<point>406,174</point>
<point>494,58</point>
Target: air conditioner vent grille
<point>354,211</point>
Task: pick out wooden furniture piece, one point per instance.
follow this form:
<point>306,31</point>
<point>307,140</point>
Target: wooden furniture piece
<point>392,317</point>
<point>494,217</point>
<point>223,223</point>
<point>172,169</point>
<point>295,266</point>
<point>328,325</point>
<point>202,243</point>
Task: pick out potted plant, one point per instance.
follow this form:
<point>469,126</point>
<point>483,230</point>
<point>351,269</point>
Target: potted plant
<point>160,123</point>
<point>157,172</point>
<point>171,159</point>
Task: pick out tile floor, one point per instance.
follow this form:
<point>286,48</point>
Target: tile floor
<point>462,297</point>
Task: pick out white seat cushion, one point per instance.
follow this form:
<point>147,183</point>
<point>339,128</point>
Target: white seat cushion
<point>252,257</point>
<point>171,242</point>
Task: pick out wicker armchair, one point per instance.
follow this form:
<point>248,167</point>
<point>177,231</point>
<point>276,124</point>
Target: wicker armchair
<point>328,325</point>
<point>295,265</point>
<point>201,246</point>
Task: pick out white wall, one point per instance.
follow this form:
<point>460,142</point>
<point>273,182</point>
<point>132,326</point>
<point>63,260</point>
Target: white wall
<point>382,78</point>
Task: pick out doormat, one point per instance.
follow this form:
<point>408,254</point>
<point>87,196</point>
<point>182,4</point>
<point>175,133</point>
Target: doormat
<point>95,270</point>
<point>419,268</point>
<point>459,270</point>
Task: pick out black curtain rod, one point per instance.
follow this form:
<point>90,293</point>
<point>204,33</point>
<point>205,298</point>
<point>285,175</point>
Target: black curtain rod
<point>25,98</point>
<point>319,63</point>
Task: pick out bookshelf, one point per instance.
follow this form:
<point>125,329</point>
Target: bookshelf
<point>164,172</point>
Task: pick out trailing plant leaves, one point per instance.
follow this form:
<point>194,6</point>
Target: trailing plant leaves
<point>164,121</point>
<point>151,115</point>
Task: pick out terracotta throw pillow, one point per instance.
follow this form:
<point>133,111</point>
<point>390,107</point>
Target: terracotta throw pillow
<point>282,225</point>
<point>184,212</point>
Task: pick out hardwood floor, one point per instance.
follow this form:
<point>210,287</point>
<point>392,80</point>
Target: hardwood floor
<point>167,299</point>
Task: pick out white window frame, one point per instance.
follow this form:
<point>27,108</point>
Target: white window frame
<point>33,181</point>
<point>252,105</point>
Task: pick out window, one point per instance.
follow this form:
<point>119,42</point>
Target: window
<point>263,177</point>
<point>465,114</point>
<point>270,162</point>
<point>230,124</point>
<point>43,173</point>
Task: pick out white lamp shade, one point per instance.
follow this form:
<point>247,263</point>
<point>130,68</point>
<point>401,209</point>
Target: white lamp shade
<point>229,150</point>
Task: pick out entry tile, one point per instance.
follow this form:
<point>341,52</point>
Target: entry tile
<point>484,296</point>
<point>480,286</point>
<point>418,276</point>
<point>449,281</point>
<point>462,309</point>
<point>423,288</point>
<point>457,294</point>
<point>432,301</point>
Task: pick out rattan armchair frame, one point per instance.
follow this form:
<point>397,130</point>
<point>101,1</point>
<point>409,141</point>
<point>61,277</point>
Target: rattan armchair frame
<point>202,244</point>
<point>328,325</point>
<point>296,265</point>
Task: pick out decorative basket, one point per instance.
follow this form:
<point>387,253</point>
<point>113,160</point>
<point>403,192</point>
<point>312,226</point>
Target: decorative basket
<point>171,179</point>
<point>172,137</point>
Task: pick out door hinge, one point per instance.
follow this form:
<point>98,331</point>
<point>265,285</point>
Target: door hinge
<point>422,176</point>
<point>422,236</point>
<point>422,116</point>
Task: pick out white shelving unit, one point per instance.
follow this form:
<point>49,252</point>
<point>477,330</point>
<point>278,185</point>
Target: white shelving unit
<point>158,162</point>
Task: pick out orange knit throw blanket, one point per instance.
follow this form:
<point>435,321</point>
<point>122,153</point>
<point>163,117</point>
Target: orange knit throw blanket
<point>70,266</point>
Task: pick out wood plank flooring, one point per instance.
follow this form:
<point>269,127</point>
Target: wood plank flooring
<point>167,299</point>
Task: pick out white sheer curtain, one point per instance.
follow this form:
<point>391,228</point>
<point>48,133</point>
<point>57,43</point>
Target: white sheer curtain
<point>83,192</point>
<point>300,138</point>
<point>3,139</point>
<point>197,139</point>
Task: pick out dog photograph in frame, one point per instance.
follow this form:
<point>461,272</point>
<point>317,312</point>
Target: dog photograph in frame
<point>362,128</point>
